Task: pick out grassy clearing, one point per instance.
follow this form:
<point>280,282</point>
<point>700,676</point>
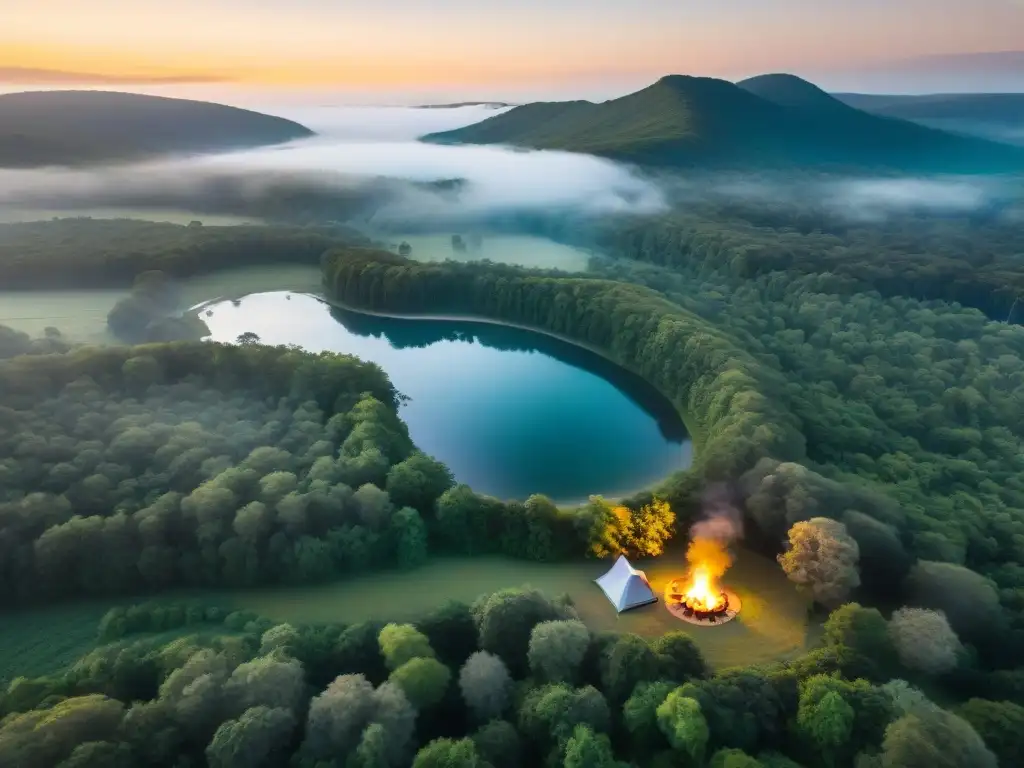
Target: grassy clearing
<point>82,315</point>
<point>773,623</point>
<point>520,250</point>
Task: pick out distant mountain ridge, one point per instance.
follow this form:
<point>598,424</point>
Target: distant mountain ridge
<point>458,104</point>
<point>72,128</point>
<point>996,116</point>
<point>988,107</point>
<point>772,120</point>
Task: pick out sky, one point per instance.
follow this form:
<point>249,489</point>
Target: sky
<point>504,49</point>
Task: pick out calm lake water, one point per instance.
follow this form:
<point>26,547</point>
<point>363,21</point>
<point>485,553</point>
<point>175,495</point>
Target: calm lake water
<point>509,411</point>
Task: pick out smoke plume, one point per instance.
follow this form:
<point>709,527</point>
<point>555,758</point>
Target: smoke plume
<point>720,525</point>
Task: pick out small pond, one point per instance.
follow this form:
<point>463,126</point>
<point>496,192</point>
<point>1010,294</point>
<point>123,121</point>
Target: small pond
<point>511,412</point>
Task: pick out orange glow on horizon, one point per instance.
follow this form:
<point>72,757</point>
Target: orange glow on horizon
<point>394,43</point>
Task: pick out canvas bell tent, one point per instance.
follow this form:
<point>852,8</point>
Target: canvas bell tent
<point>626,587</point>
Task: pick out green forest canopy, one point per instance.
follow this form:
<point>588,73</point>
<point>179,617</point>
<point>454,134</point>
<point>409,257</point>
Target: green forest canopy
<point>810,397</point>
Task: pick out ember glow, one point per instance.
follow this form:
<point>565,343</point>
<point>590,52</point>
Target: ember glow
<point>709,559</point>
<point>703,594</point>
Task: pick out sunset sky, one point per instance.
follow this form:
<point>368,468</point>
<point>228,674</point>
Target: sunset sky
<point>487,47</point>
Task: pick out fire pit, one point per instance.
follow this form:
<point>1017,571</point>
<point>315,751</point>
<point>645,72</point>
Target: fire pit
<point>698,603</point>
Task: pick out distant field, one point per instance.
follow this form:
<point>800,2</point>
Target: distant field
<point>79,315</point>
<point>520,250</point>
<point>773,623</point>
<point>10,214</point>
<point>82,315</point>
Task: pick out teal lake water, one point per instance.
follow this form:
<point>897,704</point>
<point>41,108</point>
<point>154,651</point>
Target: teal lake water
<point>509,411</point>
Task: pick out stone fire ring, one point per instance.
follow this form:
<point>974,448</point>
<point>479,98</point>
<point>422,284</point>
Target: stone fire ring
<point>677,610</point>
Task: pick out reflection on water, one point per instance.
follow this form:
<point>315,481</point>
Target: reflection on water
<point>509,411</point>
<point>403,333</point>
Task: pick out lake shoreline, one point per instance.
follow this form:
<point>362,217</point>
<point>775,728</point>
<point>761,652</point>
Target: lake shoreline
<point>544,332</point>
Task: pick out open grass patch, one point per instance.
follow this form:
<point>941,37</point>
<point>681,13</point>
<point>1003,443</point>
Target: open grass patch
<point>773,624</point>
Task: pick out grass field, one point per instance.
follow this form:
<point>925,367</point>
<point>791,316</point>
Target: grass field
<point>520,250</point>
<point>773,623</point>
<point>82,315</point>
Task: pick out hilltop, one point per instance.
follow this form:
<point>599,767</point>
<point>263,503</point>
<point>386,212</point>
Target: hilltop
<point>69,128</point>
<point>768,121</point>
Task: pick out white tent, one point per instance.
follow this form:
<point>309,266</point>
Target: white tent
<point>626,587</point>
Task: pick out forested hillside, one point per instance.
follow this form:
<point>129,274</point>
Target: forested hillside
<point>73,128</point>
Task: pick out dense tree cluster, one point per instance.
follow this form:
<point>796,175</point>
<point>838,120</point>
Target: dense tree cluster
<point>149,467</point>
<point>973,259</point>
<point>234,690</point>
<point>151,312</point>
<point>14,343</point>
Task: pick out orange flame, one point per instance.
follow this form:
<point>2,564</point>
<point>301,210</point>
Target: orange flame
<point>702,594</point>
<point>709,560</point>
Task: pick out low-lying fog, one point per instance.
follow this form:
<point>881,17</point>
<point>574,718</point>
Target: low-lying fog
<point>364,161</point>
<point>366,165</point>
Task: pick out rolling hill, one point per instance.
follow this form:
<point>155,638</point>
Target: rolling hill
<point>768,121</point>
<point>71,128</point>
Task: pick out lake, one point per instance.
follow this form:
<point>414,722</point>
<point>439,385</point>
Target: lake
<point>511,412</point>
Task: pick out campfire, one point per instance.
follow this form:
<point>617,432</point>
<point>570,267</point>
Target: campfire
<point>700,598</point>
<point>703,596</point>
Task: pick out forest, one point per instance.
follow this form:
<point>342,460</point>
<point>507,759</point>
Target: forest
<point>872,440</point>
<point>974,259</point>
<point>514,679</point>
